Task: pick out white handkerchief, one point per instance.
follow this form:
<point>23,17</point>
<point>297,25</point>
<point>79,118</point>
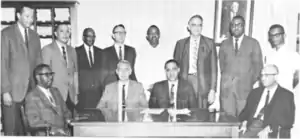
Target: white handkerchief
<point>152,111</point>
<point>179,111</point>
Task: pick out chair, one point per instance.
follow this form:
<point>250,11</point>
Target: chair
<point>32,131</point>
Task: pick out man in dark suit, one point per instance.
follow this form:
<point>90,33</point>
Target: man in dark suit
<point>20,53</point>
<point>44,105</point>
<point>173,93</point>
<point>198,62</point>
<point>270,110</point>
<point>240,63</point>
<point>119,51</point>
<point>89,58</point>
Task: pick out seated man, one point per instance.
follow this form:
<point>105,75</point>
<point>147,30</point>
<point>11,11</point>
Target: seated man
<point>269,110</point>
<point>44,106</point>
<point>173,92</point>
<point>124,93</point>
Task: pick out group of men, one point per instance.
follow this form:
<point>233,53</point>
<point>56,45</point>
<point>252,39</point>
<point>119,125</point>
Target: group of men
<point>58,79</point>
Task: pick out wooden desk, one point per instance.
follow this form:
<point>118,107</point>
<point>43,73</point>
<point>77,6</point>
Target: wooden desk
<point>156,129</point>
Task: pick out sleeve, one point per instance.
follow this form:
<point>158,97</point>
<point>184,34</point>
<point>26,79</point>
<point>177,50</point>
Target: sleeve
<point>176,54</point>
<point>142,97</point>
<point>32,112</point>
<point>153,100</point>
<point>245,112</point>
<point>289,116</point>
<point>214,68</point>
<point>133,77</point>
<point>222,57</point>
<point>103,100</point>
<point>257,61</point>
<point>5,69</point>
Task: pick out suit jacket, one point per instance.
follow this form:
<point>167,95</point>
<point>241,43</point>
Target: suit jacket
<point>279,112</point>
<point>186,98</point>
<point>66,76</point>
<point>18,61</point>
<point>40,112</point>
<point>111,60</point>
<point>206,64</point>
<point>239,72</point>
<point>136,97</point>
<point>90,78</point>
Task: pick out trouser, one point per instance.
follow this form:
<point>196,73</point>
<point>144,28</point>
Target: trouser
<point>230,104</point>
<point>201,99</point>
<point>12,119</point>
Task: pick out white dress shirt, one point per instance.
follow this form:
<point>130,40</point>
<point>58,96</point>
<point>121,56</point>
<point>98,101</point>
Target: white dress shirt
<point>175,91</point>
<point>192,60</point>
<point>87,49</point>
<point>117,48</point>
<point>239,41</point>
<point>263,97</point>
<point>287,62</point>
<point>22,30</point>
<point>120,89</point>
<point>47,94</point>
<point>60,45</point>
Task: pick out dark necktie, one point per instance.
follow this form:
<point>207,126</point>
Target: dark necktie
<point>172,98</point>
<point>26,38</point>
<point>123,103</point>
<point>120,53</point>
<point>236,45</point>
<point>90,56</point>
<point>261,112</point>
<point>64,53</point>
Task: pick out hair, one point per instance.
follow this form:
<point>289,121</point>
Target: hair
<point>239,17</point>
<point>153,26</point>
<point>171,61</point>
<point>195,16</point>
<point>57,26</point>
<point>277,26</point>
<point>38,69</point>
<point>124,62</point>
<point>116,26</point>
<point>274,66</point>
<point>86,30</point>
<point>20,8</point>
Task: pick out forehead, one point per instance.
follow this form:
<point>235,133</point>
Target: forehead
<point>171,65</point>
<point>275,30</point>
<point>62,27</point>
<point>153,30</point>
<point>235,4</point>
<point>237,21</point>
<point>26,10</point>
<point>45,69</point>
<point>195,20</point>
<point>269,70</point>
<point>123,66</point>
<point>89,31</point>
<point>119,29</point>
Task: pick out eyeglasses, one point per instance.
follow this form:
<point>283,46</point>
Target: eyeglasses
<point>239,25</point>
<point>276,35</point>
<point>196,25</point>
<point>90,36</point>
<point>120,33</point>
<point>47,74</point>
<point>268,74</point>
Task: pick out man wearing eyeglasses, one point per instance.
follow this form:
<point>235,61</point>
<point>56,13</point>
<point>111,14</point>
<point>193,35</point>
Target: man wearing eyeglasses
<point>44,105</point>
<point>240,60</point>
<point>119,51</point>
<point>197,59</point>
<point>270,109</point>
<point>89,58</point>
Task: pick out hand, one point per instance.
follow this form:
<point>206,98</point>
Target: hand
<point>7,99</point>
<point>211,96</point>
<point>264,134</point>
<point>243,127</point>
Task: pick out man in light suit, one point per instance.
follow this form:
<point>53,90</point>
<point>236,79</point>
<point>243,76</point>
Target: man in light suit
<point>270,110</point>
<point>89,58</point>
<point>124,93</point>
<point>44,105</point>
<point>197,58</point>
<point>174,92</point>
<point>20,53</point>
<point>119,51</point>
<point>240,63</point>
<point>63,61</point>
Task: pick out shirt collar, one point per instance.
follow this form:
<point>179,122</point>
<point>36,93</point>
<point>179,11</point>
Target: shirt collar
<point>21,27</point>
<point>60,44</point>
<point>193,38</point>
<point>272,90</point>
<point>44,90</point>
<point>123,83</point>
<point>240,38</point>
<point>87,47</point>
<point>175,83</point>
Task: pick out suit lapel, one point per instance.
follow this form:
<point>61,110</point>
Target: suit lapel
<point>126,51</point>
<point>46,100</point>
<point>114,53</point>
<point>166,88</point>
<point>57,49</point>
<point>270,106</point>
<point>69,55</point>
<point>202,48</point>
<point>20,39</point>
<point>256,100</point>
<point>130,91</point>
<point>83,55</point>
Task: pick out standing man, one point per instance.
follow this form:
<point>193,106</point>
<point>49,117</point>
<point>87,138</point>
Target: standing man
<point>63,61</point>
<point>119,51</point>
<point>240,63</point>
<point>20,53</point>
<point>155,55</point>
<point>198,62</point>
<point>89,58</point>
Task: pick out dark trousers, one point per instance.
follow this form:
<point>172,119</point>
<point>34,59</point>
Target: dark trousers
<point>201,99</point>
<point>12,119</point>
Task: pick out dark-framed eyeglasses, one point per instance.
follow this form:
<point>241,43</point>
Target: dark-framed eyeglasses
<point>268,74</point>
<point>47,74</point>
<point>120,32</point>
<point>90,36</point>
<point>276,35</point>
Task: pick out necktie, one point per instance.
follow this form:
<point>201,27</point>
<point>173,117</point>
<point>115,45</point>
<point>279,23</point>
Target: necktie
<point>26,38</point>
<point>64,53</point>
<point>195,55</point>
<point>236,45</point>
<point>261,112</point>
<point>123,103</point>
<point>90,56</point>
<point>51,98</point>
<point>172,98</point>
<point>120,53</point>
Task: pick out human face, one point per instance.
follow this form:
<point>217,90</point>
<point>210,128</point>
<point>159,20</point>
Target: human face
<point>235,7</point>
<point>45,77</point>
<point>268,77</point>
<point>153,36</point>
<point>276,37</point>
<point>63,34</point>
<point>25,17</point>
<point>172,71</point>
<point>89,37</point>
<point>237,27</point>
<point>195,26</point>
<point>123,71</point>
<point>119,35</point>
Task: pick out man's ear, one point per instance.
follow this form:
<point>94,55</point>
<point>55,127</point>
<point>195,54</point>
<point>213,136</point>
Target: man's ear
<point>18,15</point>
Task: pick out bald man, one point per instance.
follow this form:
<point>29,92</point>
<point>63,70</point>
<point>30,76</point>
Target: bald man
<point>270,110</point>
